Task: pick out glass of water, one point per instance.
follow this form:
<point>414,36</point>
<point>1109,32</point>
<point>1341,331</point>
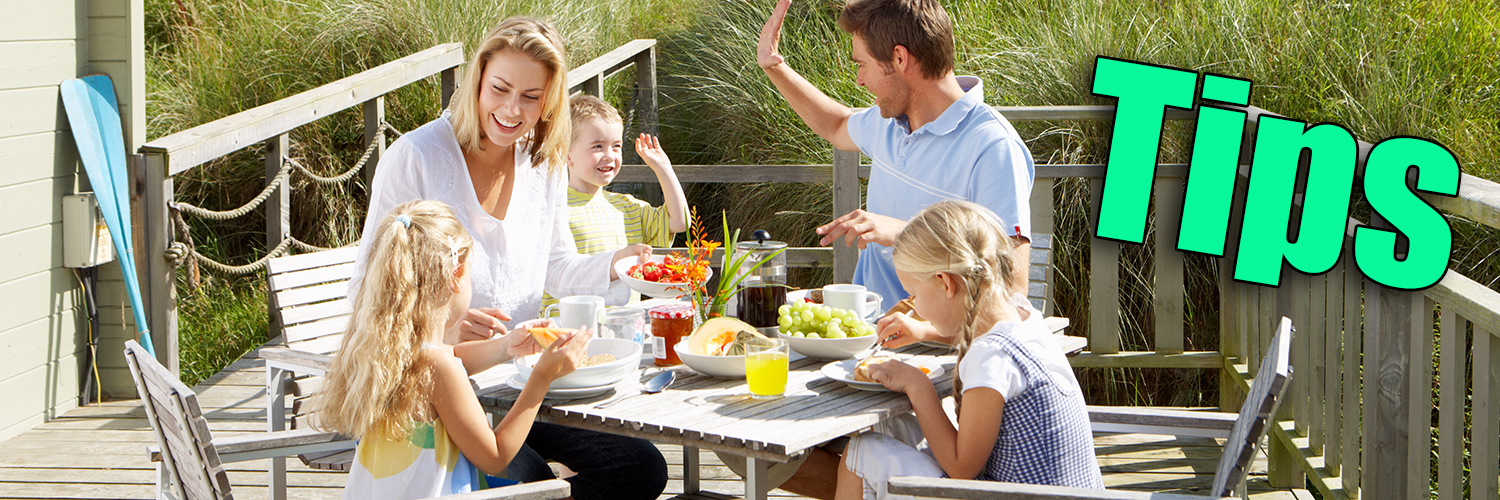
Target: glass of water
<point>624,323</point>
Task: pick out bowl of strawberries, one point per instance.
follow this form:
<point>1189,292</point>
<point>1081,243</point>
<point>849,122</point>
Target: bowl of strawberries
<point>663,276</point>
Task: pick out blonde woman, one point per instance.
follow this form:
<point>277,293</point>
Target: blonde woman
<point>396,385</point>
<point>1021,413</point>
<point>496,156</point>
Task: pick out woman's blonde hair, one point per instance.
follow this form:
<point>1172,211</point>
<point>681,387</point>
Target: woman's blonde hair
<point>966,240</point>
<point>379,382</point>
<point>539,41</point>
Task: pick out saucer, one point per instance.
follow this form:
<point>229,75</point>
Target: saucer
<point>516,383</point>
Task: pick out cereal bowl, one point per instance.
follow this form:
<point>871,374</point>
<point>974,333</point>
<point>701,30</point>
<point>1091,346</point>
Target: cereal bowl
<point>627,359</point>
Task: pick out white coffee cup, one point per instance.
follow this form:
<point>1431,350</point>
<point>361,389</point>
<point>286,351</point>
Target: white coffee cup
<point>578,311</point>
<point>845,296</point>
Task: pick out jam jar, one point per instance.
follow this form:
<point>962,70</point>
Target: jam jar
<point>670,324</point>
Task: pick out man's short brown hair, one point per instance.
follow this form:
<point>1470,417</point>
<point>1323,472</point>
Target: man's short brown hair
<point>922,26</point>
<point>587,107</point>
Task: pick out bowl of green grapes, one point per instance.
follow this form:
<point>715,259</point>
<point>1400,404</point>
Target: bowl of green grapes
<point>822,332</point>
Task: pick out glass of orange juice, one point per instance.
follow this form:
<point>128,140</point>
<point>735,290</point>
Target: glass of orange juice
<point>766,368</point>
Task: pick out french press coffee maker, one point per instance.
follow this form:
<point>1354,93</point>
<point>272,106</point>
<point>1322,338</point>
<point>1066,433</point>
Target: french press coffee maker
<point>763,290</point>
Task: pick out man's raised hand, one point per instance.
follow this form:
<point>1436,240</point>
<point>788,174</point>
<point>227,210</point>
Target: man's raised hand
<point>766,54</point>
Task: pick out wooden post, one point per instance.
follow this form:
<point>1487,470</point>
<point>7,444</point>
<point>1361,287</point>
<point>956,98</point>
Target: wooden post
<point>846,198</point>
<point>1393,317</point>
<point>158,277</point>
<point>278,215</point>
<point>1419,416</point>
<point>449,85</point>
<point>1283,470</point>
<point>645,80</point>
<point>1485,415</point>
<point>1104,283</point>
<point>1168,302</point>
<point>374,116</point>
<point>1350,434</point>
<point>1332,395</point>
<point>594,86</point>
<point>1451,406</point>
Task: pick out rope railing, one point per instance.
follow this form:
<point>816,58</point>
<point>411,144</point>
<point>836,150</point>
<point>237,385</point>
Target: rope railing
<point>182,251</point>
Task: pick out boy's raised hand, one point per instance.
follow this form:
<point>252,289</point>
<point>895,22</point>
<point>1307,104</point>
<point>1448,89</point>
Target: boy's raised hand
<point>564,355</point>
<point>649,147</point>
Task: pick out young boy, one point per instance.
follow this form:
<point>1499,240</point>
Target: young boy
<point>605,221</point>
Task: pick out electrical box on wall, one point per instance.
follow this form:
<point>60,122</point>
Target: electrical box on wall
<point>86,240</point>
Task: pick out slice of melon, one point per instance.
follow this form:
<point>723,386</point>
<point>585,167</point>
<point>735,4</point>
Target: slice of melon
<point>723,337</point>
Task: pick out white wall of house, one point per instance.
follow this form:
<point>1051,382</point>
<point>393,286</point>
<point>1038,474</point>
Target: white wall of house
<point>43,332</point>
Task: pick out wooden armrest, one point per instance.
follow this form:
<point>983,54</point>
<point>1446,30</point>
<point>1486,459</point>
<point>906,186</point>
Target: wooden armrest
<point>1056,324</point>
<point>1160,421</point>
<point>986,490</point>
<point>271,444</point>
<point>295,357</point>
<point>550,489</point>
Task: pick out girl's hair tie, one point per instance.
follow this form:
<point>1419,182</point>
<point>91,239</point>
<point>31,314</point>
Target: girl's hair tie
<point>404,219</point>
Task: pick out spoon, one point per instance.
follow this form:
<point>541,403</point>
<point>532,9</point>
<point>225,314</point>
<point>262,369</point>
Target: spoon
<point>653,386</point>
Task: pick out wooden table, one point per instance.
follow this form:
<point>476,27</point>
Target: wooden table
<point>717,414</point>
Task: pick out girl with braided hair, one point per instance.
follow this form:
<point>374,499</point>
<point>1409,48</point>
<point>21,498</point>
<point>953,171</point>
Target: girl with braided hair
<point>1021,415</point>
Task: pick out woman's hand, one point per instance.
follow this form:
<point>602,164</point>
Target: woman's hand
<point>640,251</point>
<point>899,376</point>
<point>482,324</point>
<point>898,330</point>
<point>564,355</point>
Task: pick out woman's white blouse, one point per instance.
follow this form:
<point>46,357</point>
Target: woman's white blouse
<point>513,259</point>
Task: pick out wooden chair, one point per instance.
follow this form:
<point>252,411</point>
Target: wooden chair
<point>1243,432</point>
<point>310,302</point>
<point>190,461</point>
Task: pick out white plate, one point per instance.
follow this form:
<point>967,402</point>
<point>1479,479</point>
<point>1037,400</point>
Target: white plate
<point>515,382</point>
<point>872,302</point>
<point>648,288</point>
<point>843,371</point>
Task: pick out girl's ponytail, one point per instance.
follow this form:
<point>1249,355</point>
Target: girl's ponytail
<point>965,240</point>
<point>377,383</point>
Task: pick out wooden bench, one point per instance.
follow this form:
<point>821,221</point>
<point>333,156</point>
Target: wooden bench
<point>1242,432</point>
<point>190,461</point>
<point>310,304</point>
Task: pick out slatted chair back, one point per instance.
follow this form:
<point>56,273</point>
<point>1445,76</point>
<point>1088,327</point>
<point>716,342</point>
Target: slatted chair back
<point>187,452</point>
<point>1039,273</point>
<point>310,297</point>
<point>1257,412</point>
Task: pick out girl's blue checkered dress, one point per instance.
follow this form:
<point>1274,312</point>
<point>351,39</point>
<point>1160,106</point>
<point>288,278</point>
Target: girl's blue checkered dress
<point>1045,437</point>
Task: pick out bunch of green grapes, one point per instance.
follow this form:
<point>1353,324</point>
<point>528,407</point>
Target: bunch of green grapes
<point>809,320</point>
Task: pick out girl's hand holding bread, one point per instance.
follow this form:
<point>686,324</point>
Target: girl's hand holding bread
<point>564,355</point>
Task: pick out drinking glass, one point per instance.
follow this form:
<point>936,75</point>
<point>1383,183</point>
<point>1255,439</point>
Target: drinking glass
<point>627,323</point>
<point>766,368</point>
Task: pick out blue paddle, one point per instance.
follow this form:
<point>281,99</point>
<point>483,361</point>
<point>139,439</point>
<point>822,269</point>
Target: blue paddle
<point>94,116</point>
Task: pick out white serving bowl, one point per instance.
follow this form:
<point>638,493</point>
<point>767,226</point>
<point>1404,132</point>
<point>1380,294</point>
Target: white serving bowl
<point>872,302</point>
<point>713,366</point>
<point>822,348</point>
<point>647,288</point>
<point>627,360</point>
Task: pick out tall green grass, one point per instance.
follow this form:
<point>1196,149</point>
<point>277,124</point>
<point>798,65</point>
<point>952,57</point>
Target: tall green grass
<point>1428,69</point>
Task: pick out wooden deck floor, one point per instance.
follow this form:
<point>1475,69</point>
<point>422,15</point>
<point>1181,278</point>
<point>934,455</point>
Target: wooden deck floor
<point>100,452</point>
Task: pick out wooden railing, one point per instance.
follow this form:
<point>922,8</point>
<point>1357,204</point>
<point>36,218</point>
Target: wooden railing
<point>1325,433</point>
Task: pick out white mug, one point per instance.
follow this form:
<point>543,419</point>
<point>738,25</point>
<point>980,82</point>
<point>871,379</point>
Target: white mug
<point>845,296</point>
<point>578,311</point>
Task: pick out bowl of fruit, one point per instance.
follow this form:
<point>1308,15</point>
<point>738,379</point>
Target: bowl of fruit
<point>662,276</point>
<point>819,331</point>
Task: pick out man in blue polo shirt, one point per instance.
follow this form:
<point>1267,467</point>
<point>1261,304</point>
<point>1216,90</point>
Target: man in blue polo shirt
<point>930,138</point>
